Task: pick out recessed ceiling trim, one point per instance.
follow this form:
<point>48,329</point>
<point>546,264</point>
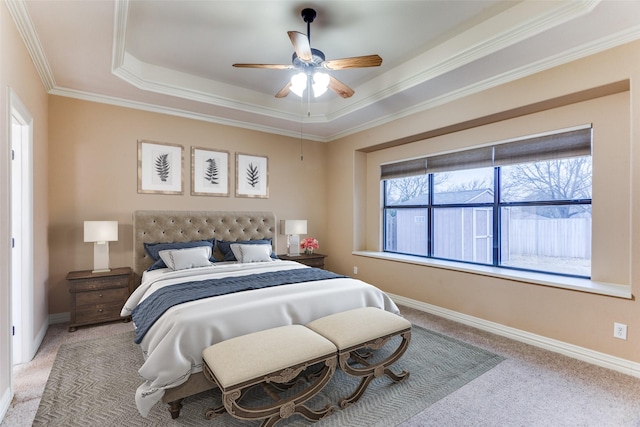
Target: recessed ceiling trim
<point>154,79</point>
<point>519,22</point>
<point>559,59</point>
<point>338,108</point>
<point>120,102</point>
<point>530,69</point>
<point>516,25</point>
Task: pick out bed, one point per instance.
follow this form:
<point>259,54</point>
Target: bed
<point>172,345</point>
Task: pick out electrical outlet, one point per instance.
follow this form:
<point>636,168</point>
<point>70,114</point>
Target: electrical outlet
<point>620,331</point>
<point>355,270</point>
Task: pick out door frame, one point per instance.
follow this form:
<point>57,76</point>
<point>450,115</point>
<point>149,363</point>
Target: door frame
<point>24,320</point>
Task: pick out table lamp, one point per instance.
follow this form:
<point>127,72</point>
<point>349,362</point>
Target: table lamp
<point>101,233</point>
<point>293,228</point>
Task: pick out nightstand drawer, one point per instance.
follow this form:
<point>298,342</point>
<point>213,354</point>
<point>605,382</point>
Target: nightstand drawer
<point>98,313</point>
<point>100,283</point>
<point>315,262</point>
<point>103,296</point>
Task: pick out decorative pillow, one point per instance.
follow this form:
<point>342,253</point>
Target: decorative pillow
<point>153,250</point>
<point>225,247</point>
<point>251,253</point>
<point>181,259</point>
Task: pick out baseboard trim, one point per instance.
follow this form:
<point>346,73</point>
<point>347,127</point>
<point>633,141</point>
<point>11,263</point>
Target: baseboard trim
<point>7,397</point>
<point>35,345</point>
<point>586,355</point>
<point>59,318</point>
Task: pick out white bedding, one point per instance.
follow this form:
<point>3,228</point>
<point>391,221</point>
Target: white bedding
<point>173,345</point>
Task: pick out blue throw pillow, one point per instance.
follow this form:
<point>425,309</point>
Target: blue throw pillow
<point>153,250</point>
<point>225,247</point>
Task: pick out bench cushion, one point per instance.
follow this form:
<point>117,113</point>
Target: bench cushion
<point>354,327</point>
<point>251,356</point>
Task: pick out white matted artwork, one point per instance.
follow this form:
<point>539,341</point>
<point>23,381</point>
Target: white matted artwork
<point>160,168</point>
<point>209,172</point>
<point>252,176</point>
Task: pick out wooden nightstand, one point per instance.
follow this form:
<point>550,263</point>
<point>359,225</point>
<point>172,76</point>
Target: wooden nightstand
<point>313,260</point>
<point>98,297</point>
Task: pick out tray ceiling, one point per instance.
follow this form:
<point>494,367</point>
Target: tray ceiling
<point>175,56</point>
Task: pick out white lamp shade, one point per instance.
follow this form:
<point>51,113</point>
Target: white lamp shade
<point>294,226</point>
<point>320,83</point>
<point>298,83</point>
<point>101,231</point>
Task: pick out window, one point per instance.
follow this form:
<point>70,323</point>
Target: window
<point>522,205</point>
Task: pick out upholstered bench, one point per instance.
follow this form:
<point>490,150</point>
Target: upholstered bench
<point>364,328</point>
<point>277,356</point>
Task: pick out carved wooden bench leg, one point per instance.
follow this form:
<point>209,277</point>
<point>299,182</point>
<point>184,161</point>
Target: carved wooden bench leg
<point>273,357</point>
<point>354,333</point>
<point>367,371</point>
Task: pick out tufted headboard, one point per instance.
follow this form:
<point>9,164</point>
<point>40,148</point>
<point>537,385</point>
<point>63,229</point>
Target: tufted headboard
<point>185,226</point>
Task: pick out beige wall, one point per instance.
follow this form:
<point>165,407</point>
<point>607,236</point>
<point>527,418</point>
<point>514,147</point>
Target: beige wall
<point>17,72</point>
<point>93,165</point>
<point>574,317</point>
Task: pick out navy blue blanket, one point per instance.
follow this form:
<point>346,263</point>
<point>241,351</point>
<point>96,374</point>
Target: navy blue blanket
<point>150,310</point>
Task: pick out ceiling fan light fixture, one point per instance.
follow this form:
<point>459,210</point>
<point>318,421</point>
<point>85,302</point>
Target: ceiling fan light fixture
<point>320,83</point>
<point>298,83</point>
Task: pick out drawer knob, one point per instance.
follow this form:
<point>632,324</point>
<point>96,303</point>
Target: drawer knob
<point>100,311</point>
<point>100,295</point>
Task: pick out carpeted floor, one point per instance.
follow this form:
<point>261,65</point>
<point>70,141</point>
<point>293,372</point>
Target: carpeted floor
<point>93,382</point>
<point>532,387</point>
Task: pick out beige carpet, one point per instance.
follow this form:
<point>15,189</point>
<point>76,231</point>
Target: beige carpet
<point>533,387</point>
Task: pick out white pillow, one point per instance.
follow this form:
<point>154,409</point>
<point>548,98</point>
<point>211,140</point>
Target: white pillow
<point>181,259</point>
<point>251,253</point>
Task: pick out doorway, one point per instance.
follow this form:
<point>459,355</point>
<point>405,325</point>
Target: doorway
<point>21,275</point>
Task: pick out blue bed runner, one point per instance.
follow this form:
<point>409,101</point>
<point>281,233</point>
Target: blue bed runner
<point>150,310</point>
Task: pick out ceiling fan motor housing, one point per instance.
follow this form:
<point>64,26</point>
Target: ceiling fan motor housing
<point>317,58</point>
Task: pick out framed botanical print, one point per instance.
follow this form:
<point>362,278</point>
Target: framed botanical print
<point>209,172</point>
<point>160,168</point>
<point>252,176</point>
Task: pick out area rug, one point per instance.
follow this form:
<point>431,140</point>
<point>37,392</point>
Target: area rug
<point>93,383</point>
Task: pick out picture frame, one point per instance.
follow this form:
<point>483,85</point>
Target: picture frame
<point>160,168</point>
<point>209,172</point>
<point>252,176</point>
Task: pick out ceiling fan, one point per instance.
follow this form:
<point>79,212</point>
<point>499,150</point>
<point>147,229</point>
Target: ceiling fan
<point>311,64</point>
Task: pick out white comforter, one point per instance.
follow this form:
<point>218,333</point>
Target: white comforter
<point>173,345</point>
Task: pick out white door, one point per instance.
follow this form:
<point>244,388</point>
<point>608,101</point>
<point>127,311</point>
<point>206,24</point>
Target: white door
<point>21,136</point>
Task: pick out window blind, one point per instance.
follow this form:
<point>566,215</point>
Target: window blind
<point>403,169</point>
<point>467,159</point>
<point>555,146</point>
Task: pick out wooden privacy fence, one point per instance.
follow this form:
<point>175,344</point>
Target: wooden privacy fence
<point>553,237</point>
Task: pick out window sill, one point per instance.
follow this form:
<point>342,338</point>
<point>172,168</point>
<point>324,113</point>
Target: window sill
<point>572,283</point>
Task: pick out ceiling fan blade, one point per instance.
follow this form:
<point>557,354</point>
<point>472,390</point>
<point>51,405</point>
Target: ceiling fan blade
<point>340,88</point>
<point>284,91</point>
<point>354,62</point>
<point>301,45</point>
<point>270,66</point>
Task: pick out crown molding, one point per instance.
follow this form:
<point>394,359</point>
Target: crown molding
<point>339,108</point>
<point>126,103</point>
<point>20,15</point>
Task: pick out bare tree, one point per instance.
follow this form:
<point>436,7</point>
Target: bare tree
<point>402,189</point>
<point>566,179</point>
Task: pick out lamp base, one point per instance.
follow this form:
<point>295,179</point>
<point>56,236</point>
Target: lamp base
<point>293,245</point>
<point>100,257</point>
